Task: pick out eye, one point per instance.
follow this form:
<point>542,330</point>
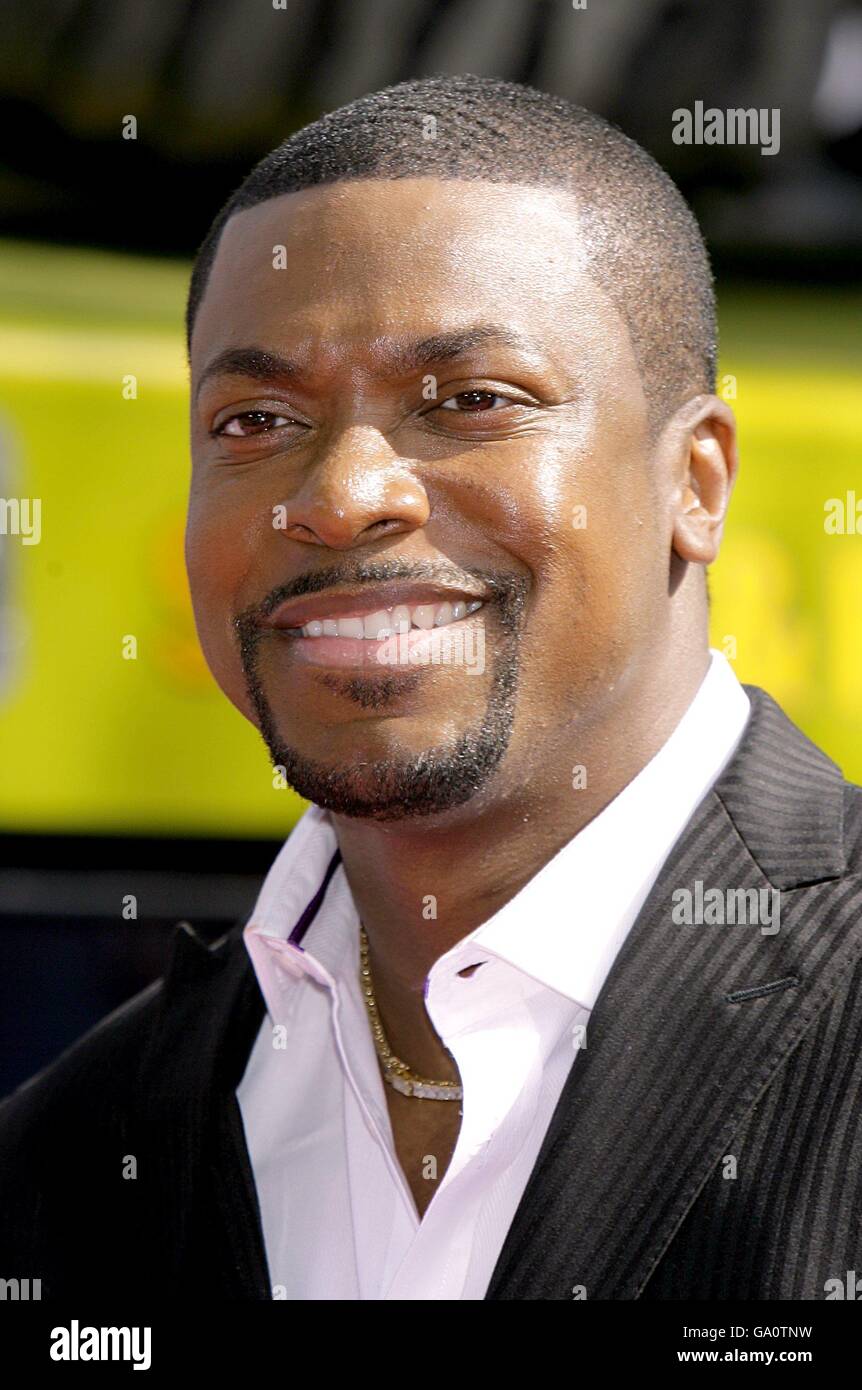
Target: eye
<point>474,401</point>
<point>251,422</point>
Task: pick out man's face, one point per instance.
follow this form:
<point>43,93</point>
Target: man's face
<point>442,408</point>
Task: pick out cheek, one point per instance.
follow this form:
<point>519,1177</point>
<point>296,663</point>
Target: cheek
<point>219,549</point>
<point>622,576</point>
<point>576,515</point>
<point>584,522</point>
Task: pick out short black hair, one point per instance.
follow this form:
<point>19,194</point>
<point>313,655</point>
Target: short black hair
<point>643,245</point>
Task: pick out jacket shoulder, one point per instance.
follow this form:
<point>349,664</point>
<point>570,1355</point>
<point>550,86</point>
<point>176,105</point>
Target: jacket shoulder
<point>96,1076</point>
<point>89,1075</point>
<point>111,1108</point>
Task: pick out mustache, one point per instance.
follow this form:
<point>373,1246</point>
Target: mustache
<point>508,591</point>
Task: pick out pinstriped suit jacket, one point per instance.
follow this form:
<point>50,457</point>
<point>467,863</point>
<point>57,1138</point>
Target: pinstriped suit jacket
<point>706,1144</point>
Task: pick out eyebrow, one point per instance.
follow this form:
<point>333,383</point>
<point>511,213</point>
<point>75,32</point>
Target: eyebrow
<point>396,358</point>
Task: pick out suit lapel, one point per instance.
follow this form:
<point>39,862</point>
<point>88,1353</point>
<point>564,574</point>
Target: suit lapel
<point>206,1211</point>
<point>691,1025</point>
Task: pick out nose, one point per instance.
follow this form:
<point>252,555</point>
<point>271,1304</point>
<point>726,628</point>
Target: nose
<point>355,492</point>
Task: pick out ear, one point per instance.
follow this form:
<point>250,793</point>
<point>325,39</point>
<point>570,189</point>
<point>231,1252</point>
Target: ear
<point>708,462</point>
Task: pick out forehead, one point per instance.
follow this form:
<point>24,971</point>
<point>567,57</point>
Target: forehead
<point>350,261</point>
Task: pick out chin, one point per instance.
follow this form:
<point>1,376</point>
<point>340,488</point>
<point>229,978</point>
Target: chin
<point>404,786</point>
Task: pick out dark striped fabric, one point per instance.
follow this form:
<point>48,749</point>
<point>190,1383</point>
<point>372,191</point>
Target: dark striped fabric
<point>706,1144</point>
<point>692,1058</point>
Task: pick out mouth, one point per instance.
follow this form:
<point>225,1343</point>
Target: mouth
<point>358,628</point>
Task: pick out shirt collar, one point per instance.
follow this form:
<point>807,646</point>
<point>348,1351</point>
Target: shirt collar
<point>287,920</point>
<point>566,925</point>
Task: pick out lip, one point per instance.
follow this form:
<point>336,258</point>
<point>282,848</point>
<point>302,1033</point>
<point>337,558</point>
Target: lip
<point>357,602</point>
<point>366,652</point>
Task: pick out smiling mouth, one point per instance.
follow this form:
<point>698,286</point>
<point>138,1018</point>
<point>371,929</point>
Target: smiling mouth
<point>358,629</point>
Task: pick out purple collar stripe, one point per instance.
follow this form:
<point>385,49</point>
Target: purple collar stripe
<point>311,911</point>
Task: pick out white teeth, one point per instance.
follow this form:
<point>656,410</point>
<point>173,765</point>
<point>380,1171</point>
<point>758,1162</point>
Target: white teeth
<point>423,615</point>
<point>401,618</point>
<point>385,621</point>
<point>378,624</point>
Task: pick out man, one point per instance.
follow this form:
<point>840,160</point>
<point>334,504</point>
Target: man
<point>553,992</point>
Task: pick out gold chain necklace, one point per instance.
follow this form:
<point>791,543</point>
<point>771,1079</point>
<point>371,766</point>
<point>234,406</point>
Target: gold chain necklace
<point>396,1072</point>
